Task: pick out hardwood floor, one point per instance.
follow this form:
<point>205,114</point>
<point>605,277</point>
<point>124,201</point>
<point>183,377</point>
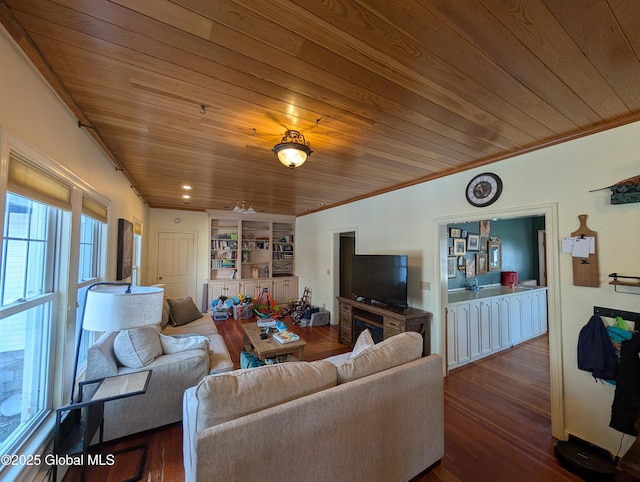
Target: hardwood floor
<point>497,419</point>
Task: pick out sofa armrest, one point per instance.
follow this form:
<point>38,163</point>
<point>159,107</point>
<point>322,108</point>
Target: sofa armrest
<point>101,360</point>
<point>162,403</point>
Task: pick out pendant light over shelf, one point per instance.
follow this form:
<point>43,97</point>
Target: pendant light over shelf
<point>241,207</point>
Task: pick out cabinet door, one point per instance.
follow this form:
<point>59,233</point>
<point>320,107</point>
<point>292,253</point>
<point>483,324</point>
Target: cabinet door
<point>515,318</point>
<point>528,315</point>
<point>216,290</point>
<point>484,311</point>
<point>475,335</point>
<point>541,301</point>
<point>452,351</point>
<point>291,289</point>
<point>462,333</point>
<point>232,289</point>
<point>500,311</point>
<point>253,288</point>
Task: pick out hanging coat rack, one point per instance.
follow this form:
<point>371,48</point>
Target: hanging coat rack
<point>613,313</point>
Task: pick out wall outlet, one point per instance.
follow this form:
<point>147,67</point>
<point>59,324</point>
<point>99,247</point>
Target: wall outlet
<point>425,285</point>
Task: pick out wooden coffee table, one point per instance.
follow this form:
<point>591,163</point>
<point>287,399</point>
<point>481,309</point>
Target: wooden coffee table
<point>269,348</point>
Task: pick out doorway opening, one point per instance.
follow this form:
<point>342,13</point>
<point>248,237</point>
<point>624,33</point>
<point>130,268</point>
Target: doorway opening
<point>549,212</point>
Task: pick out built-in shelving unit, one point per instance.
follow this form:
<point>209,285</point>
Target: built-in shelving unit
<point>250,252</point>
<point>283,252</point>
<point>224,249</point>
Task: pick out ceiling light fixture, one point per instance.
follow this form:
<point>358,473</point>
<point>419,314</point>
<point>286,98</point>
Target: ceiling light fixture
<point>293,149</point>
<point>241,207</point>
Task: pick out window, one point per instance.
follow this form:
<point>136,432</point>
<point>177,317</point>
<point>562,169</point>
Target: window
<point>89,272</point>
<point>48,223</point>
<point>137,249</point>
<point>27,297</point>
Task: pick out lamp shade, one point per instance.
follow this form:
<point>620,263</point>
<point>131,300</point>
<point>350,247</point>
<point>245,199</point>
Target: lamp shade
<point>111,308</point>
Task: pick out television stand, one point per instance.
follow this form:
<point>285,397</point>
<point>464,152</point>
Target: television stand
<point>354,315</point>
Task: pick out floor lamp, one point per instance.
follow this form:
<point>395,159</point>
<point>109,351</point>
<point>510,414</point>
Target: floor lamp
<point>111,306</point>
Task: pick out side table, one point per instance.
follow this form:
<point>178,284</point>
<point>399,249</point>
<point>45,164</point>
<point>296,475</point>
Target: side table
<point>78,422</point>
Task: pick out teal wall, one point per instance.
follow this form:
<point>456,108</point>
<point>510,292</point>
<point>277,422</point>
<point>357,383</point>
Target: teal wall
<point>519,249</point>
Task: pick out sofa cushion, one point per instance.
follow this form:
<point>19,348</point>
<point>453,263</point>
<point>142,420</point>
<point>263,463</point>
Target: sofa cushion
<point>178,343</point>
<point>364,341</point>
<point>183,311</point>
<point>389,353</point>
<point>227,396</point>
<point>138,347</point>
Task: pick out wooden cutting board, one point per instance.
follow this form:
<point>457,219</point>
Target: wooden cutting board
<point>585,270</point>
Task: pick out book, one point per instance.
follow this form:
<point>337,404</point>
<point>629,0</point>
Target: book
<point>285,337</point>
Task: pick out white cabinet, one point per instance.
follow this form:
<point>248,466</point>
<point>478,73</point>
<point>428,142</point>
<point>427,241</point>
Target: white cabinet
<point>285,290</point>
<point>253,287</point>
<point>458,352</point>
<point>514,304</point>
<point>229,288</point>
<point>480,327</point>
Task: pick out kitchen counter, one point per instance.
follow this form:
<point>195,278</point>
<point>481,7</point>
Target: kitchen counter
<point>457,296</point>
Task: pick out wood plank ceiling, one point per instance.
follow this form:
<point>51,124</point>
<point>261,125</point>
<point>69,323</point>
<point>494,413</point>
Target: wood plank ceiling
<point>387,93</point>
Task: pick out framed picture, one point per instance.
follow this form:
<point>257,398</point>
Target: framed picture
<point>470,270</point>
<point>451,253</point>
<point>125,249</point>
<point>463,233</point>
<point>451,267</point>
<point>459,247</point>
<point>481,263</point>
<point>454,232</point>
<point>473,242</point>
<point>485,228</point>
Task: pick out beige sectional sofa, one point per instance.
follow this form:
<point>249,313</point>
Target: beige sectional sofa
<point>374,416</point>
<point>172,374</point>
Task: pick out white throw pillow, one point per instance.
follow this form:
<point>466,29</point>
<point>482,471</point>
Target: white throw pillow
<point>364,341</point>
<point>179,343</point>
<point>137,348</point>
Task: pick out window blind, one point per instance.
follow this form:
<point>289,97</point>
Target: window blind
<point>27,180</point>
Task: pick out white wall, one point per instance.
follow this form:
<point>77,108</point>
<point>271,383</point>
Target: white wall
<point>31,111</point>
<point>407,222</point>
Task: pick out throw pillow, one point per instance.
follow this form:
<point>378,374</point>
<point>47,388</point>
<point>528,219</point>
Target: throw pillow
<point>248,360</point>
<point>179,343</point>
<point>231,395</point>
<point>166,313</point>
<point>389,353</point>
<point>138,347</point>
<point>364,341</point>
<point>183,311</point>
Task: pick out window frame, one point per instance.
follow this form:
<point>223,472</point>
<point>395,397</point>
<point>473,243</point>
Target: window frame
<point>63,296</point>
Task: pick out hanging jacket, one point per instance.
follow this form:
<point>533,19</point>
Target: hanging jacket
<point>626,400</point>
<point>595,350</point>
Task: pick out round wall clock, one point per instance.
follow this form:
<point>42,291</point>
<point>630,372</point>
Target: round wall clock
<point>484,189</point>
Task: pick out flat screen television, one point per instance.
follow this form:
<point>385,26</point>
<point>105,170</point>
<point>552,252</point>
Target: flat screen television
<point>380,277</point>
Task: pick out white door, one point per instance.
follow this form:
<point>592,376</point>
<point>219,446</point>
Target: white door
<point>176,264</point>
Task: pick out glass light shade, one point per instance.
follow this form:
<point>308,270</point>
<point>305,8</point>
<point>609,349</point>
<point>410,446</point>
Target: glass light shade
<point>293,155</point>
<point>111,308</point>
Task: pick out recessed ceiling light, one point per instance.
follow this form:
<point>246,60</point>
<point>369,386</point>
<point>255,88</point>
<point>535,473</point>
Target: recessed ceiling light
<point>187,187</point>
<point>186,196</point>
<point>322,204</point>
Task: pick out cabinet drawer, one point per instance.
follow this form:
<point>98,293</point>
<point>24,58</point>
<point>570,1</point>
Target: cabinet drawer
<point>389,333</point>
<point>392,324</point>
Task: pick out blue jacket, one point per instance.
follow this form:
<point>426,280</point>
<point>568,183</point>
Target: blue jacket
<point>595,350</point>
